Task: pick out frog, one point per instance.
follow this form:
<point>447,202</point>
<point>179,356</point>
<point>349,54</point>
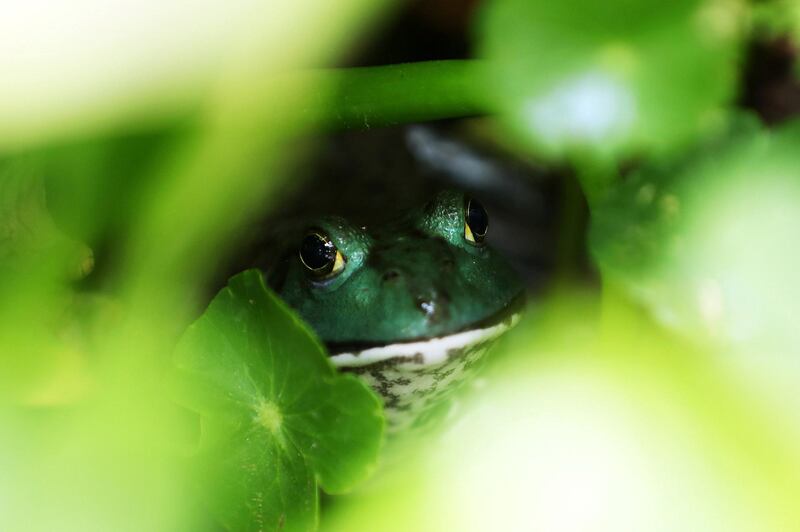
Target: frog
<point>411,306</point>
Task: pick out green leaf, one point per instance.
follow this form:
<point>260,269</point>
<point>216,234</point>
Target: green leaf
<point>608,79</point>
<point>277,417</point>
<point>708,241</point>
<point>28,235</point>
<point>37,264</point>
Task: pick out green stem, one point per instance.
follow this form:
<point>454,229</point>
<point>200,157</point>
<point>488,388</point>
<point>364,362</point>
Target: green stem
<point>394,94</point>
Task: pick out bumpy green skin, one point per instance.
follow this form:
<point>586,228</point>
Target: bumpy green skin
<point>415,278</point>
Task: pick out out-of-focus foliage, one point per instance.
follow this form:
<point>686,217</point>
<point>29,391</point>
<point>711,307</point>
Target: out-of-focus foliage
<point>82,66</point>
<point>783,15</point>
<point>95,185</point>
<point>276,416</point>
<point>38,258</point>
<point>775,18</point>
<point>580,77</point>
<point>151,132</point>
<point>708,243</point>
<point>88,436</point>
<point>594,419</point>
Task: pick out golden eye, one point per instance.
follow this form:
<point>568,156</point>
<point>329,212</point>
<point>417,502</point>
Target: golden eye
<point>320,256</point>
<point>476,222</point>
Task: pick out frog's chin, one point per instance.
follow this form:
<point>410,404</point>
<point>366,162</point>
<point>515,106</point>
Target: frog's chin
<point>426,352</point>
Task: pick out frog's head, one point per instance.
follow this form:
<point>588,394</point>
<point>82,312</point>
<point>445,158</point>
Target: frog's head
<point>414,293</point>
<point>425,276</point>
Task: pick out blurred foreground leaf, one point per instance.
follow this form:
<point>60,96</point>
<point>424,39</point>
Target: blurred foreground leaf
<point>81,78</point>
<point>610,78</point>
<point>595,420</point>
<point>37,263</point>
<point>709,242</point>
<point>277,418</point>
<point>28,235</point>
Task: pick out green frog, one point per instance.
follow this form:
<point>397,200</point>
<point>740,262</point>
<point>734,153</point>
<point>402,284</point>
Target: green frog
<point>410,306</point>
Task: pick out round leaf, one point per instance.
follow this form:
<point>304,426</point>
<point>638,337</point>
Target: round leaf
<point>610,78</point>
<point>277,418</point>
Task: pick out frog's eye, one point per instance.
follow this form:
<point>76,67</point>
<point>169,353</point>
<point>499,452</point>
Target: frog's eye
<point>319,255</point>
<point>476,222</point>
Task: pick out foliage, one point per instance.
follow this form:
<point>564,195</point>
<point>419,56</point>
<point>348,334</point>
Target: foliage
<point>142,151</point>
<point>698,264</point>
<point>276,417</point>
<point>580,77</point>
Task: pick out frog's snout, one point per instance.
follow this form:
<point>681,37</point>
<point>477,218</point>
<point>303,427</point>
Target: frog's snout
<point>431,301</point>
<point>433,306</point>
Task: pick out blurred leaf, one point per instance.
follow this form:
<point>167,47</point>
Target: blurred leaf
<point>789,12</point>
<point>773,19</point>
<point>37,263</point>
<point>81,66</point>
<point>277,418</point>
<point>708,242</point>
<point>94,185</point>
<point>594,423</point>
<point>27,231</point>
<point>610,78</point>
<point>88,70</point>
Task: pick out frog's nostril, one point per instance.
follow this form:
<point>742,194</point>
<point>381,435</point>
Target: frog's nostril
<point>427,305</point>
<point>390,275</point>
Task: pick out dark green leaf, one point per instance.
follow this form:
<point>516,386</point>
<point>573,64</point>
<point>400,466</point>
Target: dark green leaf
<point>277,418</point>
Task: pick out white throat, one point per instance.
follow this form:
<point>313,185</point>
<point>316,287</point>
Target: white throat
<point>428,352</point>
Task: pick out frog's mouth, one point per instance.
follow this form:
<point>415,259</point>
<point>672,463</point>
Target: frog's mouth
<point>429,351</point>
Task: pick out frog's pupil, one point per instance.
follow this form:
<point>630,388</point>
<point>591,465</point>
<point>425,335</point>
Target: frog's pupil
<point>317,253</point>
<point>477,218</point>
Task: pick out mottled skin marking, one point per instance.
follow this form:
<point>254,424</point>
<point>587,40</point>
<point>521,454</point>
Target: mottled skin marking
<point>410,391</point>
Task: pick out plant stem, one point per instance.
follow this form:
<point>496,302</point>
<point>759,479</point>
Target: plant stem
<point>367,97</point>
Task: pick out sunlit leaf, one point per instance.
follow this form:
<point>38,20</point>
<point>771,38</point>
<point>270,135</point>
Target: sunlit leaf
<point>588,425</point>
